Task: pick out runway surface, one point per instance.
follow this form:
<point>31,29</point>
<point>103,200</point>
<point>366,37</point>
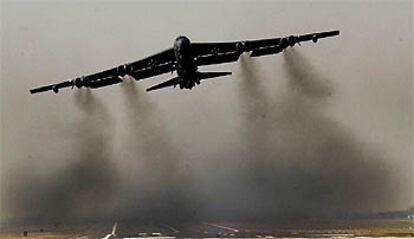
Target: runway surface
<point>162,230</point>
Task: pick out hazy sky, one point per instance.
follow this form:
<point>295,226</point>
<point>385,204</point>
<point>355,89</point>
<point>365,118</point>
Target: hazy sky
<point>369,68</point>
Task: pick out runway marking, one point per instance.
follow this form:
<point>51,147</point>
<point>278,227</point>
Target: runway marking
<point>171,228</point>
<point>222,227</point>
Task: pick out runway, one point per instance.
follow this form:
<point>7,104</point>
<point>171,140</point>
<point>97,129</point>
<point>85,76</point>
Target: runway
<point>340,229</point>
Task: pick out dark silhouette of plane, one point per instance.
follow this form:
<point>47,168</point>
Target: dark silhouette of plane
<point>185,57</point>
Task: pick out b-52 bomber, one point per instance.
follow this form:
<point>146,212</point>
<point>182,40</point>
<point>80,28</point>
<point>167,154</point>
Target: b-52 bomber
<point>185,57</point>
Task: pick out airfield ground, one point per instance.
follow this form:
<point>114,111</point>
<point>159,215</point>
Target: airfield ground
<point>337,229</point>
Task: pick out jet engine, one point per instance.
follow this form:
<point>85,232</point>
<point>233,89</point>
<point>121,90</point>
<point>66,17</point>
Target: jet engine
<point>78,82</point>
<point>292,40</point>
<point>315,39</point>
<point>55,89</point>
<point>283,42</point>
<point>241,46</point>
<point>121,70</point>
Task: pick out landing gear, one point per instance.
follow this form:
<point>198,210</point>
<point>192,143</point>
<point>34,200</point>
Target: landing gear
<point>188,84</point>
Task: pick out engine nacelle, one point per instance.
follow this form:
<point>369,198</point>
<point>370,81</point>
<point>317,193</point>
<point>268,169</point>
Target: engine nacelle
<point>292,40</point>
<point>315,38</point>
<point>241,46</point>
<point>121,70</point>
<point>79,82</point>
<point>55,89</point>
<point>129,68</point>
<point>283,42</point>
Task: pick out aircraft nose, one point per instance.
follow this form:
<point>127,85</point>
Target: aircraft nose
<point>182,41</point>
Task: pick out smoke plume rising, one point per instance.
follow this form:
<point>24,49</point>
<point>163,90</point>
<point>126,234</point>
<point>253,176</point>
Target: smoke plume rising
<point>300,162</point>
<point>322,131</point>
<point>296,161</point>
<point>164,179</point>
<point>83,188</point>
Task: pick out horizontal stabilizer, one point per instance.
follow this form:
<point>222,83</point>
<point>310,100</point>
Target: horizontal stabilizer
<point>207,75</point>
<point>172,82</point>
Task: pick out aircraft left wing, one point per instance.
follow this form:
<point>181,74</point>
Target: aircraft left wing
<point>224,52</point>
<point>157,64</point>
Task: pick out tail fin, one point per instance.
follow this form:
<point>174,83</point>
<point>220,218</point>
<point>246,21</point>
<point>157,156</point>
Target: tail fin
<point>207,75</point>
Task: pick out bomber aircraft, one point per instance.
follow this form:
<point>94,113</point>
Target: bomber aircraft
<point>185,57</point>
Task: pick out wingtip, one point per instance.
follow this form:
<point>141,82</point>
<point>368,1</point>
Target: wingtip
<point>335,32</point>
<point>36,91</point>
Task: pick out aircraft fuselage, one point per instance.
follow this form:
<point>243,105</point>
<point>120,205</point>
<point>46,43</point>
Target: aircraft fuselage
<point>186,67</point>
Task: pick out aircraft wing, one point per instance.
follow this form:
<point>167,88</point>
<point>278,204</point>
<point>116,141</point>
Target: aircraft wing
<point>157,64</point>
<point>223,52</point>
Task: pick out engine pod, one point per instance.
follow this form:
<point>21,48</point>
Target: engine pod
<point>315,38</point>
